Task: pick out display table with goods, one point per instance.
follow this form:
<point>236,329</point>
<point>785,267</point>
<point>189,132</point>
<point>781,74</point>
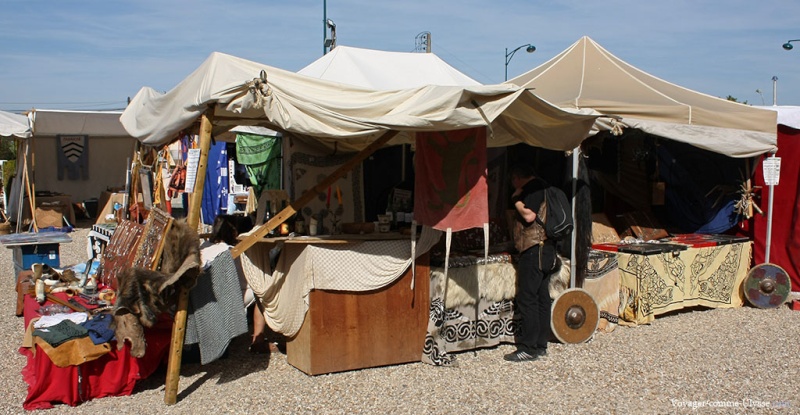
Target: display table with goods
<point>85,367</point>
<point>345,301</point>
<point>680,272</point>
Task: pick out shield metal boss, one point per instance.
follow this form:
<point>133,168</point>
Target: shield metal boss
<point>574,316</point>
<point>767,286</point>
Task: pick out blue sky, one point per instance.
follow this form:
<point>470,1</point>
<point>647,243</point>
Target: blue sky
<point>93,54</point>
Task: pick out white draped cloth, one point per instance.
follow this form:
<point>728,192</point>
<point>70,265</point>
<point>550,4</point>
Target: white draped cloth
<point>354,266</point>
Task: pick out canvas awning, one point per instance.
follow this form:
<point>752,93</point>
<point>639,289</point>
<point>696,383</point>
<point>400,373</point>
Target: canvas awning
<point>14,125</point>
<point>350,116</point>
<point>585,75</point>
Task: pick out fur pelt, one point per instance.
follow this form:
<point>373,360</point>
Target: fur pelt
<point>181,242</point>
<point>496,282</point>
<point>559,281</point>
<point>139,294</point>
<point>127,327</point>
<point>142,294</point>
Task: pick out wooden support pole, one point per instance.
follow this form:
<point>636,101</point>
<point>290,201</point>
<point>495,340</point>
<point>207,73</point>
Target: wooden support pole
<point>26,181</point>
<point>306,197</point>
<point>193,220</point>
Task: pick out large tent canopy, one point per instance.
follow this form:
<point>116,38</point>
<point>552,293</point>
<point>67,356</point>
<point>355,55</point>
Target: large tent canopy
<point>585,75</point>
<point>243,92</point>
<point>14,125</point>
<point>383,70</point>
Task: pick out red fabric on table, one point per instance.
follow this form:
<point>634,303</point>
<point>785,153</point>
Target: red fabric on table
<point>114,374</point>
<point>610,247</point>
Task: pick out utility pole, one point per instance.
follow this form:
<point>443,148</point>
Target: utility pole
<point>774,90</point>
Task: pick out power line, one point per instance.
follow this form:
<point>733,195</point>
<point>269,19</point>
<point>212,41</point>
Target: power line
<point>16,106</point>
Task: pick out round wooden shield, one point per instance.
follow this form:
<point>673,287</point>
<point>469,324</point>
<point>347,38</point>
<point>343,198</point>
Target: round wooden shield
<point>574,316</point>
<point>767,286</point>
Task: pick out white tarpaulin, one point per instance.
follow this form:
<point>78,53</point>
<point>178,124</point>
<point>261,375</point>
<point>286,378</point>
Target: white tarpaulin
<point>351,116</point>
<point>787,115</point>
<point>587,76</point>
<point>14,125</point>
<point>383,70</point>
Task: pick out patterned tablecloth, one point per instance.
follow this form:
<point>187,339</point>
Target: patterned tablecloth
<point>458,322</point>
<point>656,284</point>
<point>475,311</point>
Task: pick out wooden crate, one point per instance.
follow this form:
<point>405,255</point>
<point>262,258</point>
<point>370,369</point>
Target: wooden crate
<point>354,330</point>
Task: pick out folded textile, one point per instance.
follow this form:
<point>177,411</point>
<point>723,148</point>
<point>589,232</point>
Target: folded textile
<point>61,332</point>
<point>47,321</point>
<point>99,328</point>
<point>74,352</point>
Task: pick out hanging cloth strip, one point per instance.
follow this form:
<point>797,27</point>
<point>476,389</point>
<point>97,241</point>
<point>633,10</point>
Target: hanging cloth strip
<point>261,157</point>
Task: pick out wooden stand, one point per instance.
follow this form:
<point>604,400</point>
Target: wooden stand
<point>355,330</point>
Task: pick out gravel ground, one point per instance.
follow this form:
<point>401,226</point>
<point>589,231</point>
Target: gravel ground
<point>707,359</point>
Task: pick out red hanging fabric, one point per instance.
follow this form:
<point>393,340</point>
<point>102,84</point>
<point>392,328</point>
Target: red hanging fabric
<point>450,189</point>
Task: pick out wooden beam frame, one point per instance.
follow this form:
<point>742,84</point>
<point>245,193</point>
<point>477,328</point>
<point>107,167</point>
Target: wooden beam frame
<point>193,219</point>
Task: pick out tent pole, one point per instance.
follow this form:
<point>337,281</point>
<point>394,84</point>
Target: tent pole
<point>29,187</point>
<point>309,195</point>
<point>193,220</point>
<point>769,219</point>
<point>574,240</point>
<point>19,180</point>
<point>30,180</point>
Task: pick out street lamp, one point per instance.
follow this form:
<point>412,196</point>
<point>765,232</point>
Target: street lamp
<point>528,48</point>
<point>788,45</point>
<point>330,42</point>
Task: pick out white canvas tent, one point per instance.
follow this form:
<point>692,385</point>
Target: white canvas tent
<point>14,125</point>
<point>350,116</point>
<point>585,75</point>
<point>384,70</point>
<point>108,148</point>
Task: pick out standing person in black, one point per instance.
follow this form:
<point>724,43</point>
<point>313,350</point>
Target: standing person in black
<point>537,261</point>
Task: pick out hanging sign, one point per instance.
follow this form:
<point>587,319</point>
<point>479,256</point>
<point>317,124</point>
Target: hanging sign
<point>772,171</point>
<point>192,160</point>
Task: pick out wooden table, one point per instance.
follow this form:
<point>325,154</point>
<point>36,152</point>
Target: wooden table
<point>347,330</point>
<point>355,330</point>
